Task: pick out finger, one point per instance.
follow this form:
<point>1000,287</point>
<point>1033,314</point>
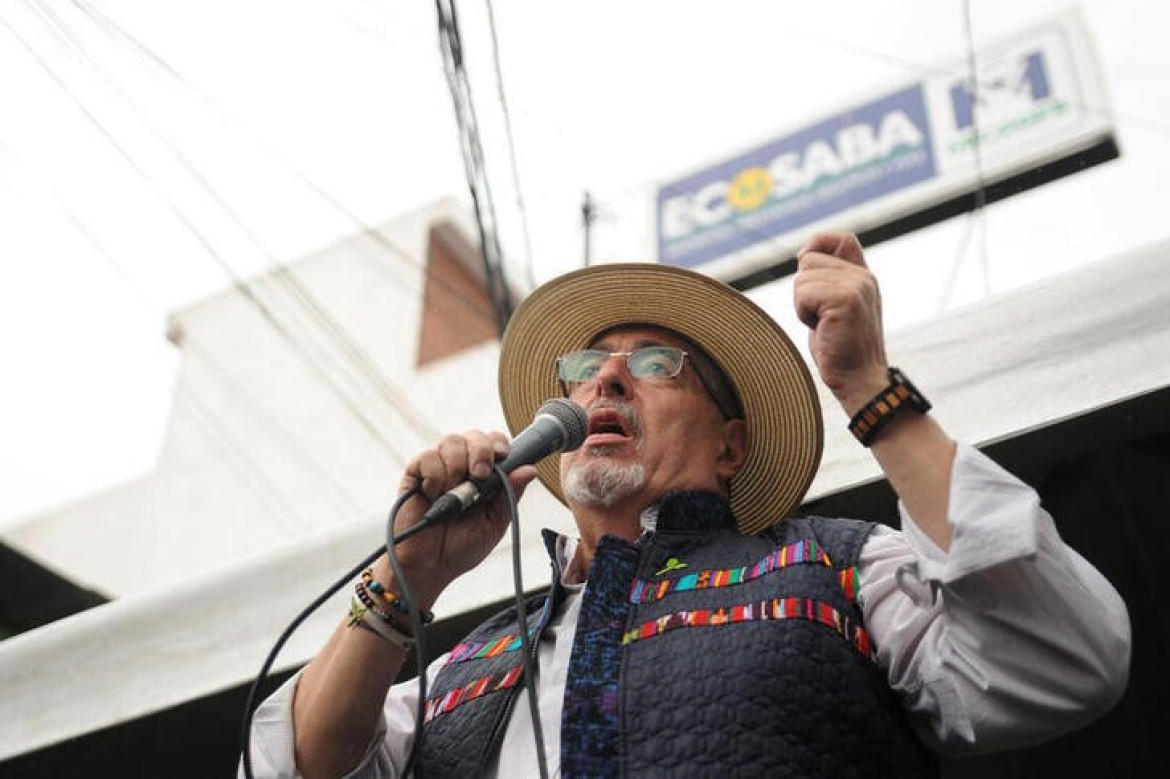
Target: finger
<point>842,245</point>
<point>455,451</point>
<point>432,471</point>
<point>808,305</point>
<point>521,478</point>
<point>814,288</point>
<point>482,451</point>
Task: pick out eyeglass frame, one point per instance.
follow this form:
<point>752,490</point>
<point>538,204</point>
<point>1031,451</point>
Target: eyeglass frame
<point>726,401</point>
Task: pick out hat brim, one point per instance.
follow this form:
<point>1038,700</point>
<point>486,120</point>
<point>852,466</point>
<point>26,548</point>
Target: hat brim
<point>774,384</point>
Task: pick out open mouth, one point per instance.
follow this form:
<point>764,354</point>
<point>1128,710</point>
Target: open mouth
<point>607,426</point>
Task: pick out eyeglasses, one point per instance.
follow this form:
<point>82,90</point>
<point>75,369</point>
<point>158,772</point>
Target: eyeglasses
<point>648,362</point>
<point>653,363</point>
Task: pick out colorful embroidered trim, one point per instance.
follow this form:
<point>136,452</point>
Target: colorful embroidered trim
<point>850,583</point>
<point>461,695</point>
<point>774,609</point>
<point>807,551</point>
<point>475,650</point>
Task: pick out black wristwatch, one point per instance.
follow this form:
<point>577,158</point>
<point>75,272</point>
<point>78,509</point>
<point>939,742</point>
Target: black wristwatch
<point>900,396</point>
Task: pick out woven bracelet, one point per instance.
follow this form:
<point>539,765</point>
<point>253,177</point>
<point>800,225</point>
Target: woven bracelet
<point>359,617</point>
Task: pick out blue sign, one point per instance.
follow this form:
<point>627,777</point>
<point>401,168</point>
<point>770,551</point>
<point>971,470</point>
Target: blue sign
<point>837,164</point>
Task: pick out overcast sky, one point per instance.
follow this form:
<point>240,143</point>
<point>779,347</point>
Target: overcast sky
<point>152,151</point>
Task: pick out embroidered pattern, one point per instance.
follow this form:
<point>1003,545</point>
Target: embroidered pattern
<point>807,551</point>
<point>591,735</point>
<point>774,609</point>
<point>469,692</point>
<point>475,650</point>
<point>850,583</point>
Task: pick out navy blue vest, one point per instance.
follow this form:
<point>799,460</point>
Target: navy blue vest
<point>698,651</point>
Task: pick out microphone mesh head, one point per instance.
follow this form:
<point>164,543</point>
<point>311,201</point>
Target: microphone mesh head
<point>573,418</point>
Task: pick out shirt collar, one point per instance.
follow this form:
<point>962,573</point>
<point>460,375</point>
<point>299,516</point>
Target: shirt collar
<point>683,512</point>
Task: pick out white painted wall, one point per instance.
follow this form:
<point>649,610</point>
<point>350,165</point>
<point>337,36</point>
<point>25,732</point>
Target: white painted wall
<point>269,439</point>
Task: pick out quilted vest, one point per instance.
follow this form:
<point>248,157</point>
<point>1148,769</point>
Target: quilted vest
<point>698,652</point>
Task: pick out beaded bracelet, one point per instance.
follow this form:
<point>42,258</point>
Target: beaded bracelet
<point>376,587</point>
<point>392,599</point>
<point>393,620</point>
<point>359,617</point>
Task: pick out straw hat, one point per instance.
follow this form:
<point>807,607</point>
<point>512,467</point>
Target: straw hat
<point>774,385</point>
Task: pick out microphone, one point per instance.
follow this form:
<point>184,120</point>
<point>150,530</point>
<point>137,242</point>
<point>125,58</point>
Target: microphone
<point>560,426</point>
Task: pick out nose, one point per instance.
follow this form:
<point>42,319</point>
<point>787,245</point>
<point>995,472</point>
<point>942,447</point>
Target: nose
<point>613,379</point>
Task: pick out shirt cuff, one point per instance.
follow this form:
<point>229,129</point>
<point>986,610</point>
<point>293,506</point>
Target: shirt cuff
<point>994,517</point>
<point>273,750</point>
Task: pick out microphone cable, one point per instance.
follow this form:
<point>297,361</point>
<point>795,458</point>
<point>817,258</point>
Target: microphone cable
<point>350,575</point>
<point>530,659</point>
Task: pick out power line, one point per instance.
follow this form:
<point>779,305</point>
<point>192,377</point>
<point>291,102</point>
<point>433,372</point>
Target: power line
<point>260,482</point>
<point>256,475</point>
<point>977,218</point>
<point>477,180</point>
<point>243,288</point>
<point>470,306</point>
<point>491,14</point>
<point>979,213</point>
<point>302,295</point>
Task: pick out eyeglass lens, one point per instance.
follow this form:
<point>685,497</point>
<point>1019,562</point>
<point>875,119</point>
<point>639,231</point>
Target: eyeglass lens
<point>648,362</point>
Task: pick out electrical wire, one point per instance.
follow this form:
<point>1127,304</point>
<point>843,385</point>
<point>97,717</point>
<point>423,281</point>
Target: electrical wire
<point>389,393</point>
<point>418,628</point>
<point>267,313</point>
<point>523,211</point>
<point>286,511</point>
<point>264,484</point>
<point>385,390</point>
<point>350,575</point>
<point>478,185</point>
<point>254,691</point>
<point>406,258</point>
<point>979,213</point>
<point>924,69</point>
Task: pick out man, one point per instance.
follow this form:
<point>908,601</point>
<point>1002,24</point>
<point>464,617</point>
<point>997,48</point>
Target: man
<point>689,630</point>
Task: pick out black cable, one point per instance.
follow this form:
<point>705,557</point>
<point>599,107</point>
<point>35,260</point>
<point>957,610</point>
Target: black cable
<point>253,693</point>
<point>531,661</point>
<point>250,706</point>
<point>451,46</point>
<point>416,627</point>
<point>112,28</point>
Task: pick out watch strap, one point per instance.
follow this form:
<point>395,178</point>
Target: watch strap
<point>899,396</point>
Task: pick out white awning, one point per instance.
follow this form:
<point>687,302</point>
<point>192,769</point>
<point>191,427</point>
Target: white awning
<point>1016,363</point>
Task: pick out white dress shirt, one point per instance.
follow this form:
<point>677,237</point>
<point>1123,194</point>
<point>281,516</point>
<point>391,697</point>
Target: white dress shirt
<point>1009,638</point>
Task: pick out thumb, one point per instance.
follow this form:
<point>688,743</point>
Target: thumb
<point>522,477</point>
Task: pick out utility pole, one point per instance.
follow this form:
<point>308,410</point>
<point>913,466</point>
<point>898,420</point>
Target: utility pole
<point>588,217</point>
